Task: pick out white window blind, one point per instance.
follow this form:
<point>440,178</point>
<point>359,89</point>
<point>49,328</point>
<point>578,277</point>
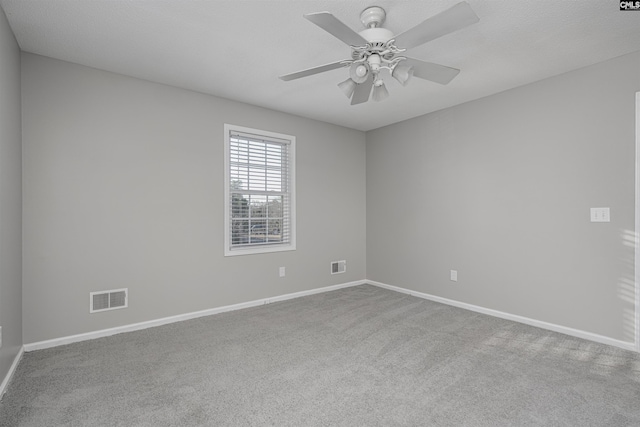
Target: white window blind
<point>259,199</point>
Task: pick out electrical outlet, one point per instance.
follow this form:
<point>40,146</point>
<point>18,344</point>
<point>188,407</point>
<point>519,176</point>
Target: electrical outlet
<point>454,275</point>
<point>600,215</point>
<point>282,272</point>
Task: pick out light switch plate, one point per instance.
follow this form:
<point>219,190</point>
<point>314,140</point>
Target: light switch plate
<point>282,272</point>
<point>454,275</point>
<point>600,215</point>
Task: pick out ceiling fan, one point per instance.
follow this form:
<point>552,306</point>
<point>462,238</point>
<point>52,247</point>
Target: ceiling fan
<point>375,48</point>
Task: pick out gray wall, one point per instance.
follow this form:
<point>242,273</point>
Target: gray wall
<point>500,190</point>
<point>10,198</point>
<point>123,187</point>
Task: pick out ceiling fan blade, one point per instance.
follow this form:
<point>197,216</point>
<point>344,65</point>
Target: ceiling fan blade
<point>430,71</point>
<point>453,19</point>
<point>362,92</point>
<point>335,27</point>
<point>316,70</point>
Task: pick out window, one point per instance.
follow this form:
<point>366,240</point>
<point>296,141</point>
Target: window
<point>259,191</point>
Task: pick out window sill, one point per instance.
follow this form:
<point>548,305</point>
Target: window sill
<point>258,250</point>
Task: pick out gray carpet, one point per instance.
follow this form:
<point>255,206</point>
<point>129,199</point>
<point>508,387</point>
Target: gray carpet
<point>360,356</point>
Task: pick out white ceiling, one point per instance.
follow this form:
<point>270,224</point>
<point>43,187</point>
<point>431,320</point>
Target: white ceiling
<point>237,49</point>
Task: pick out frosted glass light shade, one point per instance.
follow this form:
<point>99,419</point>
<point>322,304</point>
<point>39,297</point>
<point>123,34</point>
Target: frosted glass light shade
<point>380,92</point>
<point>402,73</point>
<point>348,87</point>
<point>359,72</point>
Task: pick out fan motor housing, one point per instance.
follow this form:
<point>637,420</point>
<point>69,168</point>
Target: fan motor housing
<point>378,39</point>
<point>376,35</point>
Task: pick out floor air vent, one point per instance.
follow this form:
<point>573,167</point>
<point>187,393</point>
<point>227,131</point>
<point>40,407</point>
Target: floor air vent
<point>108,300</point>
<point>338,267</point>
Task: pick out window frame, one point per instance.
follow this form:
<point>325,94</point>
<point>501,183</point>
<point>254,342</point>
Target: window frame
<point>290,141</point>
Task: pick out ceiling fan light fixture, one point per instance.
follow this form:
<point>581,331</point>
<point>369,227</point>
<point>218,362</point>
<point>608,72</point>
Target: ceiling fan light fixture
<point>348,87</point>
<point>359,72</point>
<point>380,91</point>
<point>402,73</point>
<point>377,48</point>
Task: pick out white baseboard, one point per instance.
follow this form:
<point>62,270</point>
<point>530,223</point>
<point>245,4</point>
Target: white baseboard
<point>179,318</point>
<point>12,370</point>
<point>314,291</point>
<point>533,322</point>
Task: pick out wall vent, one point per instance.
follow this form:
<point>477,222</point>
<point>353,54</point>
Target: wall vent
<point>108,300</point>
<point>338,267</point>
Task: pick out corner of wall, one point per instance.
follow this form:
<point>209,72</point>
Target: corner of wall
<point>10,201</point>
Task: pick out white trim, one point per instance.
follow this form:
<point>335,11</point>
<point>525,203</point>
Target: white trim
<point>278,247</point>
<point>637,226</point>
<point>181,317</point>
<point>315,291</point>
<point>178,318</point>
<point>12,370</point>
<point>537,323</point>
